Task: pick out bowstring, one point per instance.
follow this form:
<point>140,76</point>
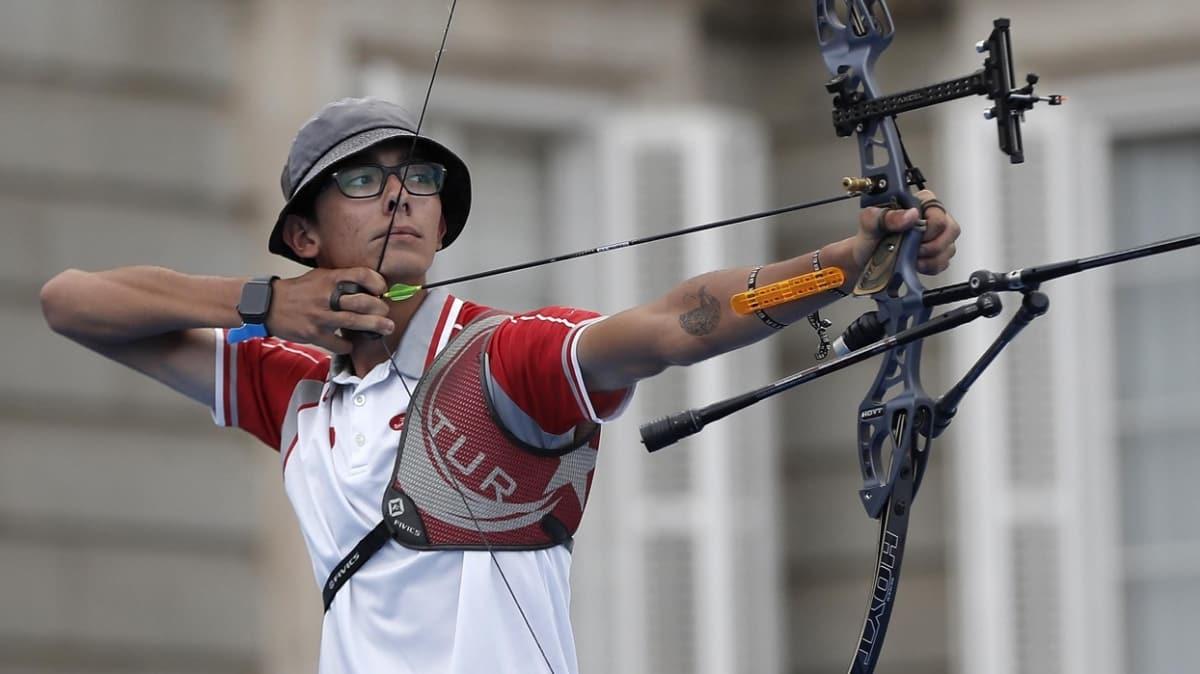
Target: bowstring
<point>392,360</point>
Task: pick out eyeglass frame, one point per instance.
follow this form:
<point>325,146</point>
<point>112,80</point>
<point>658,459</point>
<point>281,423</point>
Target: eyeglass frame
<point>388,171</point>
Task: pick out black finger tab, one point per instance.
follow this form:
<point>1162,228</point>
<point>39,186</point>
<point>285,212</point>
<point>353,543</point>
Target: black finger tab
<point>343,288</point>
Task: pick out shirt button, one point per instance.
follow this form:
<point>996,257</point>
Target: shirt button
<point>360,400</point>
<point>359,439</point>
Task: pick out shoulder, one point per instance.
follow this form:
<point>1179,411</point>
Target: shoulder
<point>258,381</point>
<point>270,355</point>
<point>551,319</point>
<point>299,359</point>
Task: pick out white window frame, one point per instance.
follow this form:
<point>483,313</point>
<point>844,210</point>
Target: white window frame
<point>1076,141</point>
<point>716,506</point>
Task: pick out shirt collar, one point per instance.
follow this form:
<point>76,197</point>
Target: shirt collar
<point>414,343</point>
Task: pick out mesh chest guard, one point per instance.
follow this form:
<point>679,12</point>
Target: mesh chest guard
<point>520,496</point>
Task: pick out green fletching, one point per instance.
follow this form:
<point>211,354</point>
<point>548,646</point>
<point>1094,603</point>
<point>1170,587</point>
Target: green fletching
<point>401,291</point>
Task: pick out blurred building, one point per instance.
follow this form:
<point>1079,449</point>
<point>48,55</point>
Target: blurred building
<point>1051,534</point>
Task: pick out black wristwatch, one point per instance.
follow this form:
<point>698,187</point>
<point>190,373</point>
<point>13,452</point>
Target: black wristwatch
<point>256,300</point>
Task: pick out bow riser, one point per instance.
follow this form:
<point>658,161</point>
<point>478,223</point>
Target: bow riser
<point>850,49</point>
<point>900,424</point>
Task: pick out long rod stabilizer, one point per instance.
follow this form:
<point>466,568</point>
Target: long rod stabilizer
<point>671,429</point>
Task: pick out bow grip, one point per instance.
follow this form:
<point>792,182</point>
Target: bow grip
<point>880,270</point>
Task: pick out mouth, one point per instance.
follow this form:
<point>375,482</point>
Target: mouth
<point>400,231</point>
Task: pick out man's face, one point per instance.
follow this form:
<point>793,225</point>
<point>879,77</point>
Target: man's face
<point>352,232</point>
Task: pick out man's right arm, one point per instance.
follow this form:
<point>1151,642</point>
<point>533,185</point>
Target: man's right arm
<point>154,320</point>
<point>159,322</point>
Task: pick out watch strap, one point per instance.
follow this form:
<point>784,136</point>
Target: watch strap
<point>246,331</point>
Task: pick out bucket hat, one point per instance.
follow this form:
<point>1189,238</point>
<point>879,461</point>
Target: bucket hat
<point>349,126</point>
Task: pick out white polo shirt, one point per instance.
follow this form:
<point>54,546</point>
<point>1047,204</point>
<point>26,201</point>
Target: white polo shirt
<point>409,611</point>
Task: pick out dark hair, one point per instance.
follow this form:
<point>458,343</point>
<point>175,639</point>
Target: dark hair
<point>305,203</point>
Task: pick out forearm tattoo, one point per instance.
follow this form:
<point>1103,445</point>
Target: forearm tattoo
<point>703,319</point>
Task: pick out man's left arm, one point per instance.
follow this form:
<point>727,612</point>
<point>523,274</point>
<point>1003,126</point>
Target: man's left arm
<point>694,322</point>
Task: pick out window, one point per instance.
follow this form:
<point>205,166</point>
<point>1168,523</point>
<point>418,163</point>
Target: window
<point>1158,391</point>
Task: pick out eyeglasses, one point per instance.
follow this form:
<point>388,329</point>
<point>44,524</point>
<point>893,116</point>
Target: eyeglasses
<point>420,178</point>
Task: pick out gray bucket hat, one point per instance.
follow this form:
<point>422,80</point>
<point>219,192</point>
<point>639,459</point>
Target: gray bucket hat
<point>352,125</point>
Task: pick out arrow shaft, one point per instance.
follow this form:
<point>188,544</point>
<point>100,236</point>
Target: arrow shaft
<point>643,240</point>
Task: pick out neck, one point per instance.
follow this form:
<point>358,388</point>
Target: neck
<point>367,352</point>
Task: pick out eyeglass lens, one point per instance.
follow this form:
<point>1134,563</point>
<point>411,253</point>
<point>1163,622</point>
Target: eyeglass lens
<point>420,179</point>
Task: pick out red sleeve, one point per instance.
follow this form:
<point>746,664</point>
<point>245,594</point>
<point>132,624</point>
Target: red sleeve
<point>532,359</point>
<point>257,381</point>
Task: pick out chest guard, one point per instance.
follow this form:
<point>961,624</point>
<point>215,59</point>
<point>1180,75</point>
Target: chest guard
<point>460,472</point>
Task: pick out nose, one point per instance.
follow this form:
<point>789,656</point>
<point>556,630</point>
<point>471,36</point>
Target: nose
<point>394,194</point>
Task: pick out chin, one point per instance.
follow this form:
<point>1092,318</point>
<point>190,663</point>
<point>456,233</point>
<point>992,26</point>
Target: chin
<point>405,267</point>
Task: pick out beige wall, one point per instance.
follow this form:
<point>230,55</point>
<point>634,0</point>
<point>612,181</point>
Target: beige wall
<point>180,123</point>
<point>136,537</point>
<point>128,525</point>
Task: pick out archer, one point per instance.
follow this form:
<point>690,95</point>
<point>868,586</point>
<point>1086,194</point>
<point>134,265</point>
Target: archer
<point>437,452</point>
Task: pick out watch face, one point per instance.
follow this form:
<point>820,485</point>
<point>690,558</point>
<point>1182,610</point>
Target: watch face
<point>256,299</point>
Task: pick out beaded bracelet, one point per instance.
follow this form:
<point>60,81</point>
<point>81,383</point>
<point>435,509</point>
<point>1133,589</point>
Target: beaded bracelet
<point>819,324</point>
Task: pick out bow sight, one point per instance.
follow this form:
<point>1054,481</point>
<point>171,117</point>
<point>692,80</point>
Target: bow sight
<point>995,79</point>
<point>849,50</point>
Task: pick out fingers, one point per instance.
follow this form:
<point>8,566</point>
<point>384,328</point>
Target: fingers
<point>880,221</point>
<point>929,201</point>
<point>360,323</point>
<point>362,303</point>
<point>941,231</point>
<point>945,233</point>
<point>371,319</point>
<point>937,262</point>
<point>313,309</point>
<point>933,212</point>
<point>371,280</point>
<point>362,311</point>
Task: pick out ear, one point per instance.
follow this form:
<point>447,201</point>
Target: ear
<point>301,235</point>
<point>441,232</point>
